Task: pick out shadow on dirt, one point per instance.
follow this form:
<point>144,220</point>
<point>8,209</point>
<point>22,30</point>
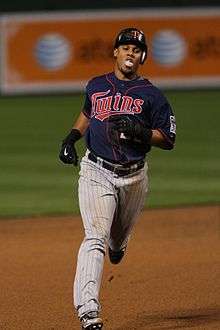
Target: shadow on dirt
<point>175,320</point>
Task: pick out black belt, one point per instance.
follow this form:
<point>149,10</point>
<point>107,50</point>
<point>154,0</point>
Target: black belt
<point>120,170</point>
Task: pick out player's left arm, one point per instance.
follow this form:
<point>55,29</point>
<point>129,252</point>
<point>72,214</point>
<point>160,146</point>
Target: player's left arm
<point>163,127</point>
<point>159,140</point>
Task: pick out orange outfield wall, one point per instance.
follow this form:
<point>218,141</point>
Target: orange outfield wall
<point>64,51</point>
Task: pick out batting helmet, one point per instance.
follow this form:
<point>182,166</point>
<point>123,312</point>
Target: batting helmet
<point>132,36</point>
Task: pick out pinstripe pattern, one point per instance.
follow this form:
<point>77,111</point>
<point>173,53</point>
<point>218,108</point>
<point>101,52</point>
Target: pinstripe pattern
<point>109,207</point>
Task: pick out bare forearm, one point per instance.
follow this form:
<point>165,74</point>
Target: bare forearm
<point>159,140</point>
<point>68,154</point>
<point>81,123</point>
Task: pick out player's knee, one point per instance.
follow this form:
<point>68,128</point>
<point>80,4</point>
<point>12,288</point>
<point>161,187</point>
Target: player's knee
<point>96,243</point>
<point>100,233</point>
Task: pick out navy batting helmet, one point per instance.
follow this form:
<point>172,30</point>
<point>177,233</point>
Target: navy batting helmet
<point>132,36</point>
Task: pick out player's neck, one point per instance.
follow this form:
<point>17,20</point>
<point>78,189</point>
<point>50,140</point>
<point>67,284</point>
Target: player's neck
<point>123,76</point>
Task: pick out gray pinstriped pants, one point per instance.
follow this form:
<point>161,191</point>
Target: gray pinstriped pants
<point>109,207</point>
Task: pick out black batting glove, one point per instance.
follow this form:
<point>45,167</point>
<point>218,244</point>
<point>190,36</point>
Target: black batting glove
<point>68,154</point>
<point>132,128</point>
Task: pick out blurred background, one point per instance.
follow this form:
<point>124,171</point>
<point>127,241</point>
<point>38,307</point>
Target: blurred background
<point>50,49</point>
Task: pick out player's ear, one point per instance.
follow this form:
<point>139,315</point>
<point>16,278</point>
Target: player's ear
<point>115,54</point>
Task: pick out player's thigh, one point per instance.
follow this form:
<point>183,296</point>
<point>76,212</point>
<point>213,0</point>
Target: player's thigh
<point>132,199</point>
<point>97,203</point>
<point>131,202</point>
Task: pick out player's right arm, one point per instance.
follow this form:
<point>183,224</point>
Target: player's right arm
<point>68,154</point>
<point>81,123</point>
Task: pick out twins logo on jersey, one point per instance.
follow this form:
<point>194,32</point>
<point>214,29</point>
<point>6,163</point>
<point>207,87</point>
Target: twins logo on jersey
<point>104,106</point>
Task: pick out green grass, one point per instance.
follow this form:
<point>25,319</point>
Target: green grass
<point>34,182</point>
<point>190,174</point>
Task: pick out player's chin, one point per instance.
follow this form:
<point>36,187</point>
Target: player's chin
<point>127,70</point>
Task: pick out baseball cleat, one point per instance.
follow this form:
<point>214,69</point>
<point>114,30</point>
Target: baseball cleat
<point>116,256</point>
<point>91,321</point>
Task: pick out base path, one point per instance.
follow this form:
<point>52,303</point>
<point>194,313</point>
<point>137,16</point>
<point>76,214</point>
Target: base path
<point>168,280</point>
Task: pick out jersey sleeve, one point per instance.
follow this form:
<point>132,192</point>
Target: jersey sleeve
<point>163,119</point>
<point>87,107</point>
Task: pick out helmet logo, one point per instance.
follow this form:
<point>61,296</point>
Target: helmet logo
<point>136,35</point>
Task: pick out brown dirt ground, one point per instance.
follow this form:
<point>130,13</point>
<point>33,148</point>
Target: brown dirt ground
<point>169,279</point>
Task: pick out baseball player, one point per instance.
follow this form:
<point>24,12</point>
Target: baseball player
<point>123,116</point>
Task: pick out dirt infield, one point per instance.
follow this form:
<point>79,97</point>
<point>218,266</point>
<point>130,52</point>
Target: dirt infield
<point>169,279</point>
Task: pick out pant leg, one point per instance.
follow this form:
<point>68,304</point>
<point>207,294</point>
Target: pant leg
<point>97,201</point>
<point>132,194</point>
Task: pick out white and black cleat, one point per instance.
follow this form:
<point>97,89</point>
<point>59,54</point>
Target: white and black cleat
<point>91,321</point>
<point>116,256</point>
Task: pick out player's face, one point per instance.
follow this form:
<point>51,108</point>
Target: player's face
<point>127,59</point>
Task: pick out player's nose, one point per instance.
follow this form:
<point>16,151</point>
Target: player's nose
<point>130,53</point>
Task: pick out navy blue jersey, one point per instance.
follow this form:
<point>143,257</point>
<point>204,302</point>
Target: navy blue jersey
<point>106,95</point>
